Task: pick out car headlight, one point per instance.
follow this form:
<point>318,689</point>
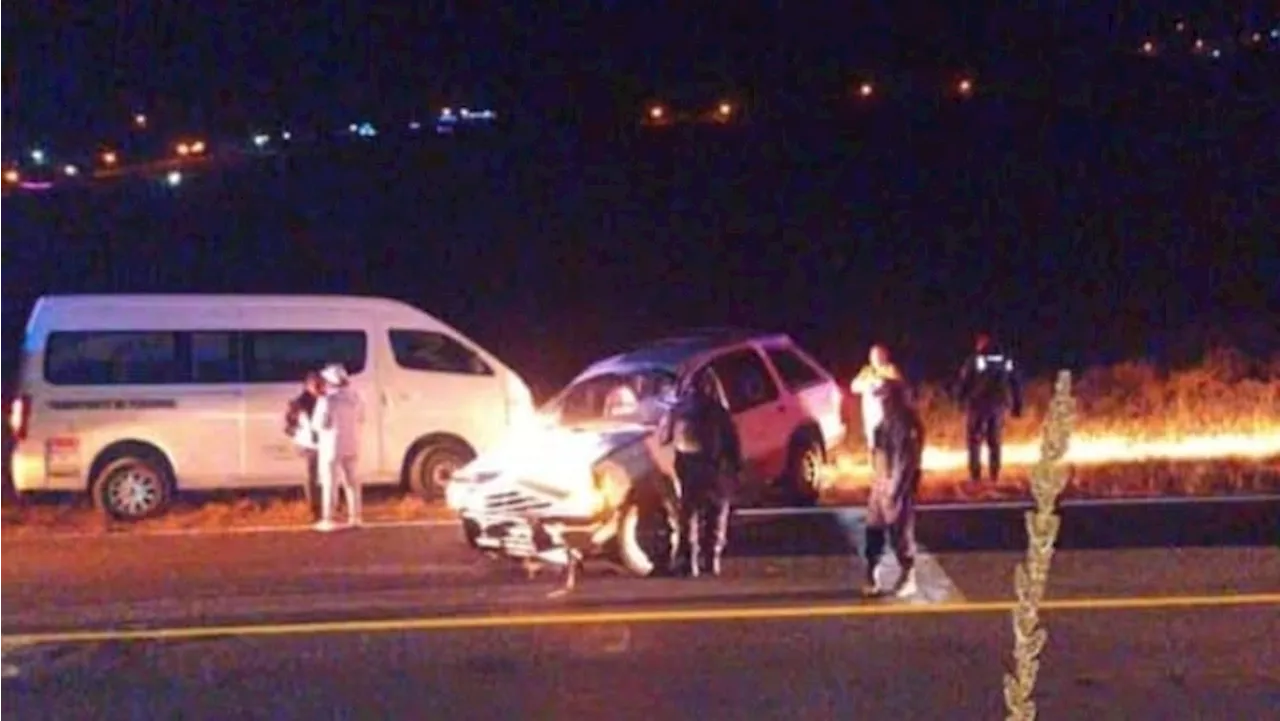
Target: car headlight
<point>456,493</point>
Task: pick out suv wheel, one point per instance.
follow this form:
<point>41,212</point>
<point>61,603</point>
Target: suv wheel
<point>803,482</point>
<point>644,538</point>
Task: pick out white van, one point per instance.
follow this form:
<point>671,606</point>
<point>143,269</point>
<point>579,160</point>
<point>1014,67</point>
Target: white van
<point>133,397</point>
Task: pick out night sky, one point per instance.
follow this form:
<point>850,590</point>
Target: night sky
<point>1086,203</point>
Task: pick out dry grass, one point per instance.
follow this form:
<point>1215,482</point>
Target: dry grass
<point>1149,479</point>
<point>1227,393</point>
<point>221,511</point>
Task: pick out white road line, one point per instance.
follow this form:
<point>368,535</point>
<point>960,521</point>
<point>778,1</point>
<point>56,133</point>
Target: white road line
<point>1021,505</point>
<point>744,512</point>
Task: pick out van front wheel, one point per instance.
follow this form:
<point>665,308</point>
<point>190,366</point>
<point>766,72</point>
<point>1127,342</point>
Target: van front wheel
<point>433,465</point>
<point>133,488</point>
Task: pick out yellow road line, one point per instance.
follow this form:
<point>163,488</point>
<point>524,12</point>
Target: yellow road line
<point>671,615</point>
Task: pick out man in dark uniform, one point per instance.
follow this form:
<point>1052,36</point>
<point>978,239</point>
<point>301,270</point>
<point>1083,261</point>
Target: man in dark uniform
<point>891,512</point>
<point>987,386</point>
<point>708,459</point>
<point>298,426</point>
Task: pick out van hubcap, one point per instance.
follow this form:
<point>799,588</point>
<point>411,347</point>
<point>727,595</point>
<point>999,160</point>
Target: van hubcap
<point>134,492</point>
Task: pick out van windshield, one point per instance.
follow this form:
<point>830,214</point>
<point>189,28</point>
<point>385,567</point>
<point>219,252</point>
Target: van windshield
<point>635,397</point>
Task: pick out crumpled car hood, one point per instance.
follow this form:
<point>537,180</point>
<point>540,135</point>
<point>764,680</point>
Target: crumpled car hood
<point>529,452</point>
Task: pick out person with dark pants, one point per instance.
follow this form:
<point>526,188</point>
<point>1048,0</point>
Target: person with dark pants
<point>891,508</point>
<point>299,427</point>
<point>988,385</point>
<point>708,460</point>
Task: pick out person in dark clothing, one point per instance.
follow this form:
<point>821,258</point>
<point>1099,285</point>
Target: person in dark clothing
<point>298,426</point>
<point>708,460</point>
<point>988,385</point>
<point>891,514</point>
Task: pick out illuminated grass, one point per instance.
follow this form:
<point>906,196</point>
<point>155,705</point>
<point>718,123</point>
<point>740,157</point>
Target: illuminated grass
<point>1227,394</point>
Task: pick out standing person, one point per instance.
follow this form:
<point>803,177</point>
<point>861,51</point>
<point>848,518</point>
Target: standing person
<point>299,426</point>
<point>878,370</point>
<point>891,509</point>
<point>987,386</point>
<point>339,420</point>
<point>708,461</point>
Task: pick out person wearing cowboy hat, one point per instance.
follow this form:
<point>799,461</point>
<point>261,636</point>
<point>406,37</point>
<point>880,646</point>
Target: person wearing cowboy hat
<point>339,420</point>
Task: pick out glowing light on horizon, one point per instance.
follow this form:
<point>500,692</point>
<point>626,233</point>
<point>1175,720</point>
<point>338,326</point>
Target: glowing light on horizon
<point>1090,450</point>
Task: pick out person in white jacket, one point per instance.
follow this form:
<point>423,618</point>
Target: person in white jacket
<point>869,383</point>
<point>339,422</point>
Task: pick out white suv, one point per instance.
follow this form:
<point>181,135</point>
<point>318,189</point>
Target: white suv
<point>589,473</point>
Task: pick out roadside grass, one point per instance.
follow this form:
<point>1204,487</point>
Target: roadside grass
<point>1228,393</point>
<point>1149,479</point>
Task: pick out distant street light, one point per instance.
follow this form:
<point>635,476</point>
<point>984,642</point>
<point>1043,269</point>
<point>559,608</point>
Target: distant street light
<point>174,179</point>
<point>12,176</point>
<point>109,158</point>
<point>37,156</point>
<point>1148,48</point>
<point>183,149</point>
<point>140,120</point>
<point>865,90</point>
<point>965,87</point>
<point>71,171</point>
<point>725,109</point>
<point>657,112</point>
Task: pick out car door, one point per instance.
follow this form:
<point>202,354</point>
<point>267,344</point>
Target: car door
<point>760,412</point>
<point>816,398</point>
<point>434,383</point>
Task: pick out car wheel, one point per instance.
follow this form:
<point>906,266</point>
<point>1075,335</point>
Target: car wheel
<point>433,465</point>
<point>804,472</point>
<point>133,488</point>
<point>644,539</point>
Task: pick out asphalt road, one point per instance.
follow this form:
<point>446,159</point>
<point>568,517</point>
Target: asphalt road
<point>407,623</point>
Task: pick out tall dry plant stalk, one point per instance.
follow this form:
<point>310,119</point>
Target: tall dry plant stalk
<point>1031,577</point>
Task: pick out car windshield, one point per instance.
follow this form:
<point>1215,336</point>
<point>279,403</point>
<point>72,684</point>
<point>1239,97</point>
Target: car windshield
<point>635,397</point>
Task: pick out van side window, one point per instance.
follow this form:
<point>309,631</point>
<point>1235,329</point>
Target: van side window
<point>745,380</point>
<point>420,350</point>
<point>215,356</point>
<point>87,358</point>
<point>796,372</point>
<point>285,356</point>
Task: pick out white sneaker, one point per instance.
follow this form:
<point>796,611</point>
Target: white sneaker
<point>906,585</point>
<point>325,526</point>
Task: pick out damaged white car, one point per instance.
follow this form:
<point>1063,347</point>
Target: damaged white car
<point>589,478</point>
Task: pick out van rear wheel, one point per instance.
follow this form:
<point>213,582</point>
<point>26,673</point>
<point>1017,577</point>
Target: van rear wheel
<point>133,488</point>
<point>433,465</point>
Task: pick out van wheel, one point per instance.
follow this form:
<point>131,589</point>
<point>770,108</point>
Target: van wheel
<point>644,539</point>
<point>803,482</point>
<point>434,464</point>
<point>133,488</point>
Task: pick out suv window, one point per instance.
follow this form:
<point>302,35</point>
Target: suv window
<point>285,356</point>
<point>796,372</point>
<point>745,380</point>
<point>420,350</point>
<point>113,358</point>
